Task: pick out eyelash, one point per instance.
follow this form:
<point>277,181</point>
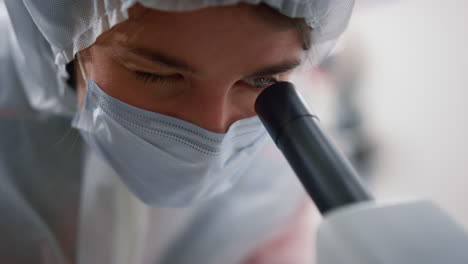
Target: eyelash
<point>147,77</point>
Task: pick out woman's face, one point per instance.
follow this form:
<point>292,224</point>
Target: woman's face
<point>206,66</point>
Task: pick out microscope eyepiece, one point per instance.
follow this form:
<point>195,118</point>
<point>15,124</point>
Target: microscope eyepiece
<point>325,173</point>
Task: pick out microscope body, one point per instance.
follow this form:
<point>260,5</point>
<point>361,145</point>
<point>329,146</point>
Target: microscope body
<point>412,232</point>
<point>355,228</point>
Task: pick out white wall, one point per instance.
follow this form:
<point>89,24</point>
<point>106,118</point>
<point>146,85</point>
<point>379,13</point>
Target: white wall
<point>416,98</point>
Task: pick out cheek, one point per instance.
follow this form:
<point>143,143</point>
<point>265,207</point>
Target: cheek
<point>243,99</point>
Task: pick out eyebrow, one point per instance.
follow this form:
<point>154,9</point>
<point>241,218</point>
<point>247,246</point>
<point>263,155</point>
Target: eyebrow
<point>277,69</point>
<point>172,62</point>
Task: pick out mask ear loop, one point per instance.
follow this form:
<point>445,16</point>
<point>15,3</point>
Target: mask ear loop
<point>82,69</point>
<point>83,75</point>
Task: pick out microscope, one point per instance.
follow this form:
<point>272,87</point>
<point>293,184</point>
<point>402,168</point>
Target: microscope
<point>356,229</point>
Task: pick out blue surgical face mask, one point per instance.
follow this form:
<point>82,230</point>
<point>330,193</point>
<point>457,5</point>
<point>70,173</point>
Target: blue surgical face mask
<point>162,160</point>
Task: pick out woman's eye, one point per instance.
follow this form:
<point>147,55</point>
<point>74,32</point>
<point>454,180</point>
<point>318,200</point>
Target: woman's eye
<point>148,77</point>
<point>260,81</point>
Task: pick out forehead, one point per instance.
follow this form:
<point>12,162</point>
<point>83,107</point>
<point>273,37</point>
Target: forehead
<point>242,13</point>
<point>218,35</point>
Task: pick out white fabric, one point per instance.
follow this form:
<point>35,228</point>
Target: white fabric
<point>115,227</point>
<point>51,32</point>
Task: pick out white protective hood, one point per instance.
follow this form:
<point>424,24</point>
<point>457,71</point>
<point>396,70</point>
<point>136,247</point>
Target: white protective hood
<point>50,32</point>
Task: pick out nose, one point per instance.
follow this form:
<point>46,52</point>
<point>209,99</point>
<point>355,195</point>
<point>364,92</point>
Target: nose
<point>215,106</point>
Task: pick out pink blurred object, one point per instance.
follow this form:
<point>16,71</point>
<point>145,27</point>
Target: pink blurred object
<point>295,244</point>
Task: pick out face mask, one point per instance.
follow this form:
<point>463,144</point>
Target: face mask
<point>162,160</point>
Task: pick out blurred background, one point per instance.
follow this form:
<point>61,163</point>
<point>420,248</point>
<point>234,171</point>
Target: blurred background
<point>393,96</point>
